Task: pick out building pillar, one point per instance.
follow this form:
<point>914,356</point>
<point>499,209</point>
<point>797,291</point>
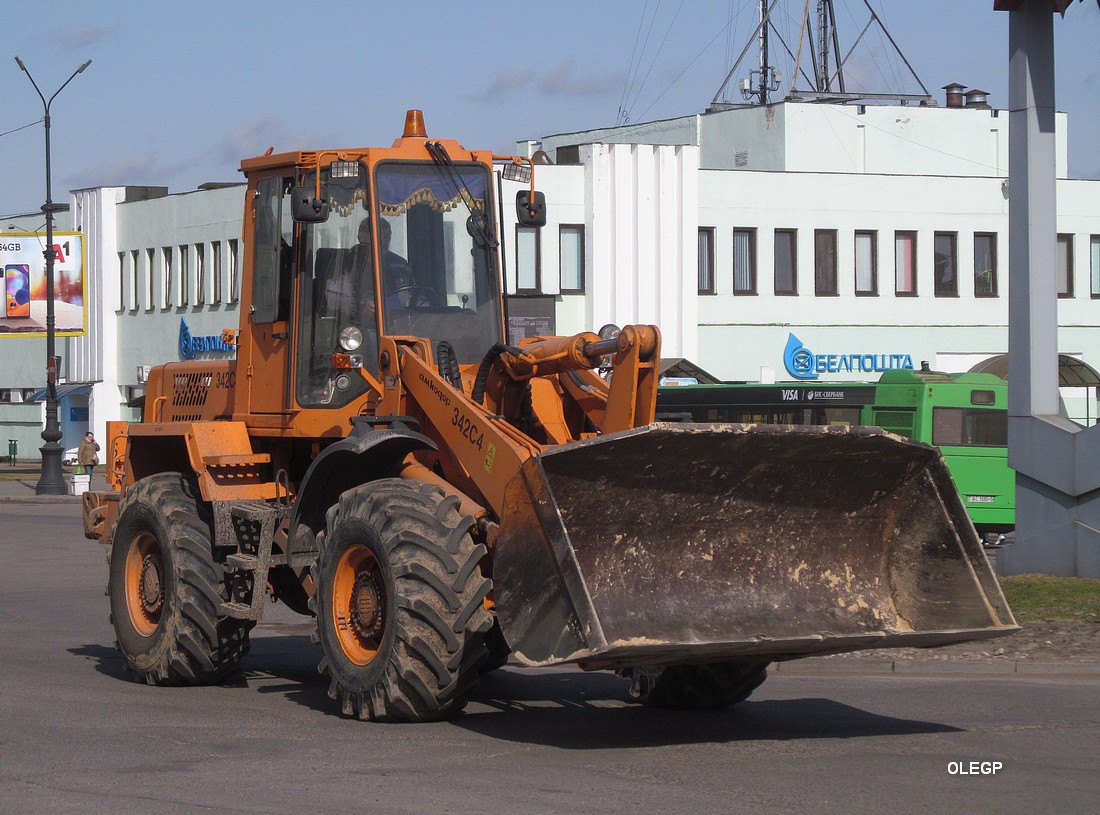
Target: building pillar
<point>1058,480</point>
<point>642,205</point>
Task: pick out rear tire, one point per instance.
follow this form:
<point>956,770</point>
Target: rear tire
<point>710,686</point>
<point>166,588</point>
<point>400,603</point>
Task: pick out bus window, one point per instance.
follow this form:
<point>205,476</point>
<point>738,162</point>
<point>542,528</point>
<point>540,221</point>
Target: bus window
<point>746,417</point>
<point>840,417</point>
<point>969,428</point>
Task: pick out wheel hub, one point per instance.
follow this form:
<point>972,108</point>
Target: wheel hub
<point>366,606</point>
<point>149,586</point>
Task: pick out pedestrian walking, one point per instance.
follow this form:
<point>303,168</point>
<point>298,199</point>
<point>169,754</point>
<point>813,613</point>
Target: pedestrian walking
<point>87,455</point>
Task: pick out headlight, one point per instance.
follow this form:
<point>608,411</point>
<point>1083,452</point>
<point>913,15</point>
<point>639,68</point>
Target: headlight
<point>351,338</point>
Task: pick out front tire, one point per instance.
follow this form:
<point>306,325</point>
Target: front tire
<point>399,603</point>
<point>166,588</point>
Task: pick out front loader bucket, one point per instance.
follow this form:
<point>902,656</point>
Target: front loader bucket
<point>678,543</point>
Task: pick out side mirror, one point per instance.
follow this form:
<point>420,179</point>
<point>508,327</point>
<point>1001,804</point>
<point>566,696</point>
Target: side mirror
<point>530,211</point>
<point>306,208</point>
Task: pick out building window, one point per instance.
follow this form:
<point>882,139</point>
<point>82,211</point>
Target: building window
<point>200,274</point>
<point>825,262</point>
<point>866,263</point>
<point>216,271</point>
<point>1094,264</point>
<point>147,279</point>
<point>234,261</point>
<point>744,261</point>
<point>786,261</point>
<point>571,258</point>
<point>705,248</point>
<point>1065,265</point>
<point>527,258</point>
<point>167,281</point>
<point>945,248</point>
<point>184,277</point>
<point>132,281</point>
<point>985,265</point>
<point>905,263</point>
<point>121,281</point>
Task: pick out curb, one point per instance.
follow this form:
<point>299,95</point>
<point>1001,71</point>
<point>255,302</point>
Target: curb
<point>935,667</point>
<point>40,499</point>
<point>21,488</point>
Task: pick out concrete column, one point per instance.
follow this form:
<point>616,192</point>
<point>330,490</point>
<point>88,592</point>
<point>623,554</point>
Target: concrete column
<point>94,357</point>
<point>1058,479</point>
<point>1032,227</point>
<point>642,223</point>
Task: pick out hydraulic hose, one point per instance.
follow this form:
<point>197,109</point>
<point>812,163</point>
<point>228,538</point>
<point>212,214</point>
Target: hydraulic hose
<point>486,366</point>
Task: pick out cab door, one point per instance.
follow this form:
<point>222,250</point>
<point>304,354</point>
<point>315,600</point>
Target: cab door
<point>268,369</point>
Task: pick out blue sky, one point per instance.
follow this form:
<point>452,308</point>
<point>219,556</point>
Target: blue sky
<point>178,92</point>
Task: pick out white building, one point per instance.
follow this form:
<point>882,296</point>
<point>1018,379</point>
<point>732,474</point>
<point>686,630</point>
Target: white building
<point>860,229</point>
<point>871,235</point>
<point>866,236</point>
<point>157,266</point>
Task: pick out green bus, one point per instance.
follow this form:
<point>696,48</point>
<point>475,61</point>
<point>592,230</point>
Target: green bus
<point>964,415</point>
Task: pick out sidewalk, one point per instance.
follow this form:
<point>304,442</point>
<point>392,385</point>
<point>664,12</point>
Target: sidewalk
<point>932,663</point>
<point>18,483</point>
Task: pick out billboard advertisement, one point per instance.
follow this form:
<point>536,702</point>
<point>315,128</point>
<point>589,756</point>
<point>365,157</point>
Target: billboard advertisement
<point>23,288</point>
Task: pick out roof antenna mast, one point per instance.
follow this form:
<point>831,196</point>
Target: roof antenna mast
<point>767,78</point>
<point>826,63</point>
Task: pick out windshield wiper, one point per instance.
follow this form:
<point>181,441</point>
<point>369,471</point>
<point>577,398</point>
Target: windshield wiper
<point>481,226</point>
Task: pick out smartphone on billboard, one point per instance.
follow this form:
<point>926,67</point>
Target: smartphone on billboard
<point>17,290</point>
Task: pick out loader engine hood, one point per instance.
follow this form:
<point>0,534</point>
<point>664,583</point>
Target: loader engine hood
<point>702,542</point>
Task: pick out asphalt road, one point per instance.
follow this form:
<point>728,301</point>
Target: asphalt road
<point>76,736</point>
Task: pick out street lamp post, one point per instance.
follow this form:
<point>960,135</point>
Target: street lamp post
<point>52,480</point>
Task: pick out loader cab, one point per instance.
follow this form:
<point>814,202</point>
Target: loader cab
<point>394,247</point>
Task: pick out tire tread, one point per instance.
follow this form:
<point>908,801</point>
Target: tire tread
<point>193,644</point>
<point>432,664</point>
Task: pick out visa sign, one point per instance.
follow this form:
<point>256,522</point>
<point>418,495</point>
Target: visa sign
<point>802,363</point>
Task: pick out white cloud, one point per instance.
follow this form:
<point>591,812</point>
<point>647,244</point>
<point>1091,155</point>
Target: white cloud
<point>561,80</point>
<point>78,38</point>
<point>136,169</point>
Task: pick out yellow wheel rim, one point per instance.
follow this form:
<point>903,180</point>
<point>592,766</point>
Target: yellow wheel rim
<point>359,604</point>
<point>144,583</point>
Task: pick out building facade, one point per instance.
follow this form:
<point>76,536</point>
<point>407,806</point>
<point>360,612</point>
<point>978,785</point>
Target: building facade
<point>162,283</point>
<point>835,241</point>
<point>794,241</point>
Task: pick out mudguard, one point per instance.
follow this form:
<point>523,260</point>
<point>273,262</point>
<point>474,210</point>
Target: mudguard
<point>365,454</point>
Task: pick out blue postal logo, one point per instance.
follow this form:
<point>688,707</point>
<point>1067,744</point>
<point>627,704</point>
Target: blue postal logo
<point>798,360</point>
<point>191,345</point>
<point>802,363</point>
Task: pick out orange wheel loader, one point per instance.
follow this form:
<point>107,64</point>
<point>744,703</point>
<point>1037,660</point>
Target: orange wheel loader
<point>377,457</point>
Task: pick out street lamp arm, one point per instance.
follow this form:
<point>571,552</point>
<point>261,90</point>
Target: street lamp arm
<point>67,81</point>
<point>23,68</point>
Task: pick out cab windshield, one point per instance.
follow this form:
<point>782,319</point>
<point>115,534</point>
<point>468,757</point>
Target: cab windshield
<point>435,262</point>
